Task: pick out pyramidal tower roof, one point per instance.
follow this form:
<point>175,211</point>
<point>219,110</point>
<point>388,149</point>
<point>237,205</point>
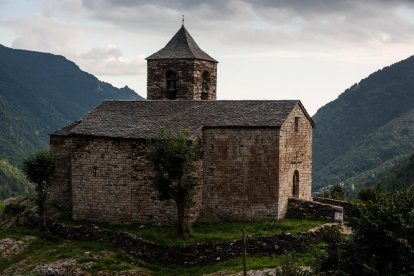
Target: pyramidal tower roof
<point>181,46</point>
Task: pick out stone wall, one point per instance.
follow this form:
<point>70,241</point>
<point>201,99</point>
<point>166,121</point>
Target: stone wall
<point>61,188</point>
<point>111,181</point>
<point>185,255</point>
<point>344,204</point>
<point>189,78</point>
<point>201,66</point>
<point>307,209</point>
<point>240,173</point>
<point>295,154</point>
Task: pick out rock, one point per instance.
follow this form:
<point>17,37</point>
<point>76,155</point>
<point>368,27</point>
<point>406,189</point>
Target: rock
<point>60,267</point>
<point>10,247</point>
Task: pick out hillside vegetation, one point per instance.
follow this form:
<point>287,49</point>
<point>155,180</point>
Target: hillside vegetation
<point>12,181</point>
<point>399,178</point>
<point>40,93</point>
<point>367,130</point>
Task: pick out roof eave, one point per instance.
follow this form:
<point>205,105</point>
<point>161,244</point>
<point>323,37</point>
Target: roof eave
<point>307,114</point>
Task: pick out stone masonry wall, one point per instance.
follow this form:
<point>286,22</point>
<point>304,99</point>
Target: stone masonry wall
<point>344,204</point>
<point>295,154</point>
<point>200,66</point>
<point>189,78</point>
<point>240,173</point>
<point>307,209</point>
<point>112,182</point>
<point>61,189</point>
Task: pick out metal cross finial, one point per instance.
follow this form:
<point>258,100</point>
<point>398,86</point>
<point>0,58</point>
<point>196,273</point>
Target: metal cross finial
<point>183,20</point>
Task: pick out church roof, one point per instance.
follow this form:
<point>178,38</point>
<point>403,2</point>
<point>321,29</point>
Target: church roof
<point>181,46</point>
<point>143,119</point>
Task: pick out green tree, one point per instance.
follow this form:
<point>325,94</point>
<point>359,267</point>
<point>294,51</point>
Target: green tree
<point>39,168</point>
<point>172,158</point>
<point>337,192</point>
<point>383,238</point>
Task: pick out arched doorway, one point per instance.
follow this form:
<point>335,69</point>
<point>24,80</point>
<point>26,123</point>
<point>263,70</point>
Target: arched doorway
<point>295,186</point>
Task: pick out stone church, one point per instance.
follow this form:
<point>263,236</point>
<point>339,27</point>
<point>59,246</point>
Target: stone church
<point>254,154</point>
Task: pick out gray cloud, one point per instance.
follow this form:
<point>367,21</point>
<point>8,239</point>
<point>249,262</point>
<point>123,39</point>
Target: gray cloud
<point>109,61</point>
<point>293,23</point>
<point>47,34</point>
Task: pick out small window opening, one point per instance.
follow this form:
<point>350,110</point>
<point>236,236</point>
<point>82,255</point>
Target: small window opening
<point>297,124</point>
<point>171,85</point>
<point>295,186</point>
<point>205,86</point>
<point>94,171</point>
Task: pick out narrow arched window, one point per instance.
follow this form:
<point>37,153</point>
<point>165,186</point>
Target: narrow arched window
<point>171,85</point>
<point>205,86</point>
<point>295,186</point>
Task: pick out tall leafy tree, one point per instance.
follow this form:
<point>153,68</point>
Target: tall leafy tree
<point>39,168</point>
<point>172,155</point>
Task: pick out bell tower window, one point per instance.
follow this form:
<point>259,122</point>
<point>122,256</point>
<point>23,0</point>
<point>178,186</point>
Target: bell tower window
<point>171,85</point>
<point>205,86</point>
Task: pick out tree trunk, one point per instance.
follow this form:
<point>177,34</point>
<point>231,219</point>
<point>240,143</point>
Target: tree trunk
<point>181,226</point>
<point>44,220</point>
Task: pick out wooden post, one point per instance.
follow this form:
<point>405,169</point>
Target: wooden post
<point>244,252</point>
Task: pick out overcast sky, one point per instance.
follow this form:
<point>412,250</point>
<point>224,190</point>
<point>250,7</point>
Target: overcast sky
<point>310,50</point>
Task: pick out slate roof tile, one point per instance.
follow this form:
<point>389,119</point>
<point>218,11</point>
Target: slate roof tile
<point>181,46</point>
<point>143,119</point>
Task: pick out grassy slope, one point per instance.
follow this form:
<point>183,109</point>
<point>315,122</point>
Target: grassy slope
<point>47,248</point>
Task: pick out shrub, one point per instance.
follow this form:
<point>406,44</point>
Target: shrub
<point>14,209</point>
<point>367,194</point>
<point>383,239</point>
<point>337,192</point>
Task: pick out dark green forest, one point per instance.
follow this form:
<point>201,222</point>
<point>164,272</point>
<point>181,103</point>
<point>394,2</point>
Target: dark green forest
<point>398,178</point>
<point>367,130</point>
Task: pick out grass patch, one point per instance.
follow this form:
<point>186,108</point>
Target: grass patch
<point>308,257</point>
<point>2,206</point>
<point>49,248</point>
<point>203,232</point>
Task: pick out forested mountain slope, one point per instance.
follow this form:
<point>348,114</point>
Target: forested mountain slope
<point>367,129</point>
<point>40,93</point>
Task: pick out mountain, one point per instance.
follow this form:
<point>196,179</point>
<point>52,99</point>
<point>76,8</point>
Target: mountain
<point>400,177</point>
<point>367,130</point>
<point>12,181</point>
<point>40,93</point>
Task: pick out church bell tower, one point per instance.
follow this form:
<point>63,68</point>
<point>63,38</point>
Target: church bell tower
<point>181,71</point>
